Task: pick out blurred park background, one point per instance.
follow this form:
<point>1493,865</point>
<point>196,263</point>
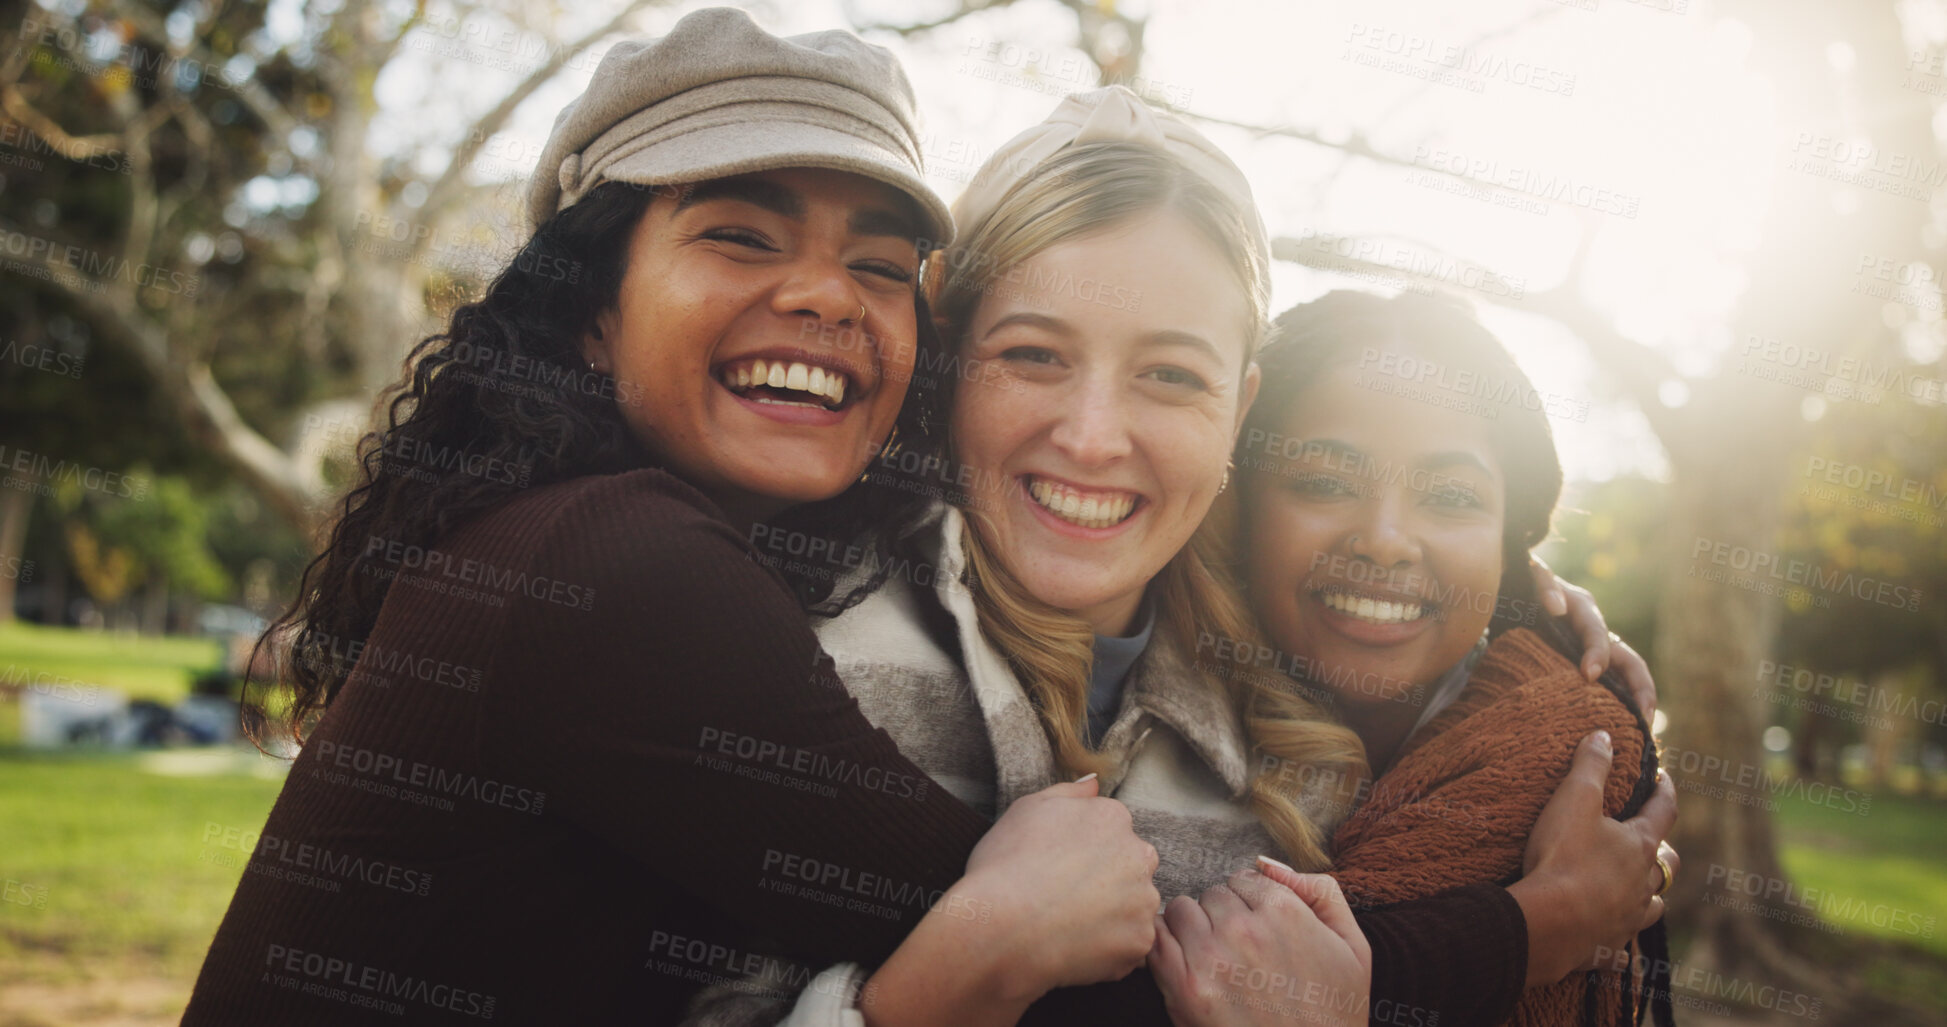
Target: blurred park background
<point>1713,231</point>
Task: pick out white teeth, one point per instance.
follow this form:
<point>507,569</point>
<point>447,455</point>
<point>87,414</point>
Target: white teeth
<point>826,384</point>
<point>1377,611</point>
<point>1098,510</point>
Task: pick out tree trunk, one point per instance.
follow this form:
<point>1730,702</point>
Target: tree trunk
<point>1883,733</point>
<point>1711,636</point>
<point>1732,456</point>
<point>1807,743</point>
<point>54,592</point>
<point>16,505</point>
<point>153,616</point>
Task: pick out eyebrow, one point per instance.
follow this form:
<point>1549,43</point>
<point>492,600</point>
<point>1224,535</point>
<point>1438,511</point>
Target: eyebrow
<point>1455,456</point>
<point>1050,323</point>
<point>881,221</point>
<point>784,201</point>
<point>1176,337</point>
<point>1330,447</point>
<point>1045,322</point>
<point>757,192</point>
<point>1352,453</point>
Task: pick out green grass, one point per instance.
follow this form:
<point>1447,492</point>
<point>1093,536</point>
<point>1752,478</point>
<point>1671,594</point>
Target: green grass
<point>106,873</point>
<point>105,859</point>
<point>1888,865</point>
<point>143,667</point>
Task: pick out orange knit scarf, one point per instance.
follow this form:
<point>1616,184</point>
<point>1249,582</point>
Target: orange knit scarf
<point>1458,804</point>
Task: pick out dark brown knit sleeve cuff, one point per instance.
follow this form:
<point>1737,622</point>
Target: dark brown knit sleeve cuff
<point>1459,957</point>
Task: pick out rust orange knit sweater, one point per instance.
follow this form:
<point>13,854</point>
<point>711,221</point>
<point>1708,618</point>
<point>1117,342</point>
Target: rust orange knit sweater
<point>1457,805</point>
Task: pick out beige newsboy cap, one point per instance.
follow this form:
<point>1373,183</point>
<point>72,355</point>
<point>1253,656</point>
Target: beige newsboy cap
<point>720,96</point>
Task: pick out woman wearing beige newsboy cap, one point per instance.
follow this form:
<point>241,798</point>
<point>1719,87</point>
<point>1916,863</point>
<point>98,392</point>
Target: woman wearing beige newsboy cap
<point>564,725</point>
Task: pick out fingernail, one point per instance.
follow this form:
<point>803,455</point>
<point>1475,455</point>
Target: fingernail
<point>1603,741</point>
<point>1269,862</point>
<point>1085,778</point>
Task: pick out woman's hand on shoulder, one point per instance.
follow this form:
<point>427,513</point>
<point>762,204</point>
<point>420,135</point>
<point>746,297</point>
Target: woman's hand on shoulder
<point>1589,882</point>
<point>1600,647</point>
<point>1269,946</point>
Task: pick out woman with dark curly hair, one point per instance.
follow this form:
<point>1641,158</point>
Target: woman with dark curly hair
<point>565,737</point>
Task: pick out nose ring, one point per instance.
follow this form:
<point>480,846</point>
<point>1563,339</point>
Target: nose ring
<point>855,318</point>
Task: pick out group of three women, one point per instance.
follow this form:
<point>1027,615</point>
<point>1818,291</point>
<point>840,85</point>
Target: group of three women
<point>1270,610</point>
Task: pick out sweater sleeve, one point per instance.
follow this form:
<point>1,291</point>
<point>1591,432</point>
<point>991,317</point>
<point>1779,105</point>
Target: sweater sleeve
<point>1460,957</point>
<point>682,712</point>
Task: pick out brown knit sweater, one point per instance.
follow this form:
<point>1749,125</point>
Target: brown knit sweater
<point>1458,804</point>
<point>595,728</point>
<point>585,755</point>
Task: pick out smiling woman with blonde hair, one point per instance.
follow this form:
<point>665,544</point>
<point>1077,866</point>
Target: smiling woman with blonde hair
<point>1103,305</point>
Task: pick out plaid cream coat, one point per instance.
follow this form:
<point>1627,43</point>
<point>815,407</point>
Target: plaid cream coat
<point>1177,748</point>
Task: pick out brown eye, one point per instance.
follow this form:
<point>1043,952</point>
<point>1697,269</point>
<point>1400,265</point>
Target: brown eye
<point>1178,376</point>
<point>741,237</point>
<point>1030,355</point>
<point>1459,497</point>
<point>886,270</point>
<point>1323,486</point>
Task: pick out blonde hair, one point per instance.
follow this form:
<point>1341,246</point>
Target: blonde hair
<point>1081,190</point>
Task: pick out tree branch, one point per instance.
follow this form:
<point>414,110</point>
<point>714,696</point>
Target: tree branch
<point>250,91</point>
<point>1356,146</point>
<point>73,147</point>
<point>390,47</point>
<point>1542,13</point>
<point>1640,370</point>
<point>188,387</point>
<point>921,27</point>
<point>446,187</point>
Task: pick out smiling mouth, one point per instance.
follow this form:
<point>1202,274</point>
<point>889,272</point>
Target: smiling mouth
<point>1104,508</point>
<point>786,383</point>
<point>1375,610</point>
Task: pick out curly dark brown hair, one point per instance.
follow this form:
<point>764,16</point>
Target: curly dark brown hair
<point>507,386</point>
